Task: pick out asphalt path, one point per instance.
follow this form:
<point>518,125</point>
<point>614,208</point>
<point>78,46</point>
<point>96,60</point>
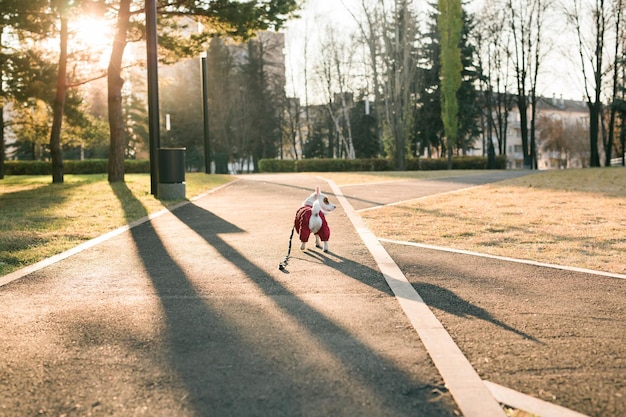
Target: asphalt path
<point>187,314</point>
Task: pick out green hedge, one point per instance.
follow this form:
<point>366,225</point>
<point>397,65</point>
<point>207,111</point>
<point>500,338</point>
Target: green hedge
<point>277,165</point>
<point>376,164</point>
<point>324,165</point>
<point>87,166</point>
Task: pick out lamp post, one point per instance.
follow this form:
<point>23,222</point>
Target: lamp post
<point>205,115</point>
<point>153,94</point>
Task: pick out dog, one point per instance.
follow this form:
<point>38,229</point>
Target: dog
<point>310,218</point>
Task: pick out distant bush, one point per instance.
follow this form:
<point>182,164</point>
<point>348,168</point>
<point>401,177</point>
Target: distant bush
<point>87,166</point>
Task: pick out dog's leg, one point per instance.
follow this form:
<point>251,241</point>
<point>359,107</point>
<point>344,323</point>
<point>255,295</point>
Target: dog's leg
<point>303,246</point>
<point>318,242</point>
<point>326,247</point>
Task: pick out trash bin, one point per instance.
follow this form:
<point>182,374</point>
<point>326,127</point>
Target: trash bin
<point>171,174</point>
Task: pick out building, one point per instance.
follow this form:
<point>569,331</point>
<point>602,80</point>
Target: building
<point>562,135</point>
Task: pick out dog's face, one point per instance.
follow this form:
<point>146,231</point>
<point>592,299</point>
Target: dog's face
<point>325,204</point>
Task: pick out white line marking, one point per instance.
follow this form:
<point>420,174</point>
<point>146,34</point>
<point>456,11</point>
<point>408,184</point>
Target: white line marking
<point>529,404</point>
<point>504,258</point>
<point>465,385</point>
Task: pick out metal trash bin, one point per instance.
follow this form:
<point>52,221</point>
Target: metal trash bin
<point>172,174</point>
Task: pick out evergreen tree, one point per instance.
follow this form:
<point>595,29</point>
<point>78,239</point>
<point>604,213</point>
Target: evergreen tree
<point>429,129</point>
<point>22,77</point>
<point>364,132</point>
<point>450,24</point>
<point>265,100</point>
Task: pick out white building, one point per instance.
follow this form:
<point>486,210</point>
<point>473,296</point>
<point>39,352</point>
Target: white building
<point>562,135</point>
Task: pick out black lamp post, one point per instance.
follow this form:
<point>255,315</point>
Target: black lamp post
<point>153,94</point>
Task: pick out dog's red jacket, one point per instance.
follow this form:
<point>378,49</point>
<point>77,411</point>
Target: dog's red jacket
<point>301,224</point>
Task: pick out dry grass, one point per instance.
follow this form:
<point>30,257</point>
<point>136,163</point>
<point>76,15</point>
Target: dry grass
<point>351,178</point>
<point>571,217</point>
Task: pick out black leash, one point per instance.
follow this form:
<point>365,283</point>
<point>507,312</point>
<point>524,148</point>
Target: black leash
<point>283,264</point>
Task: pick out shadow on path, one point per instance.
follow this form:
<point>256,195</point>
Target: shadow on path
<point>445,300</point>
<point>294,384</point>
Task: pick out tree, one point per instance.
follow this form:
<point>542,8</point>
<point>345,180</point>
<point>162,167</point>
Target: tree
<point>399,72</point>
<point>246,97</point>
<point>334,71</point>
<point>225,17</point>
<point>364,130</point>
<point>429,129</point>
<point>591,55</point>
<point>370,34</point>
<point>22,77</point>
<point>526,22</point>
<point>492,40</point>
<point>263,83</point>
<point>450,25</point>
<point>56,152</point>
<point>617,63</point>
<point>468,95</point>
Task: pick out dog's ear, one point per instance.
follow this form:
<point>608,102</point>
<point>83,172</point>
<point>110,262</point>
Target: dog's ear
<point>317,190</point>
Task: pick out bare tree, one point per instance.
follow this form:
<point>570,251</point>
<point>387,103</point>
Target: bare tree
<point>293,126</point>
<point>369,30</point>
<point>333,71</point>
<point>399,34</point>
<point>342,59</point>
<point>591,53</point>
<point>618,10</point>
<point>494,59</point>
<point>526,22</point>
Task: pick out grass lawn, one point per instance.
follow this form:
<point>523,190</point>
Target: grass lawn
<point>39,219</point>
<point>566,217</point>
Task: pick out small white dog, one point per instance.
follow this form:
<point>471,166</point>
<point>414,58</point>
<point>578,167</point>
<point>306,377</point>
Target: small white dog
<point>310,219</point>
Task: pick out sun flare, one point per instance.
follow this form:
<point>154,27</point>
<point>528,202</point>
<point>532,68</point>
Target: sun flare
<point>92,40</point>
<point>93,34</point>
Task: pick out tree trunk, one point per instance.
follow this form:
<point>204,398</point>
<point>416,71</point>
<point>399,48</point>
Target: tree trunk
<point>56,152</point>
<point>594,132</point>
<point>117,146</point>
<point>608,148</point>
<point>523,117</point>
<point>1,119</point>
<point>1,137</point>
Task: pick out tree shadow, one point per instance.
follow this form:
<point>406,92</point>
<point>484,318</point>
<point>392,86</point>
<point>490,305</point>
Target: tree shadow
<point>446,300</point>
<point>433,295</point>
<point>357,271</point>
<point>218,369</point>
<point>296,386</point>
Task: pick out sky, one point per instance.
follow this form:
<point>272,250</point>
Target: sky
<point>555,80</point>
